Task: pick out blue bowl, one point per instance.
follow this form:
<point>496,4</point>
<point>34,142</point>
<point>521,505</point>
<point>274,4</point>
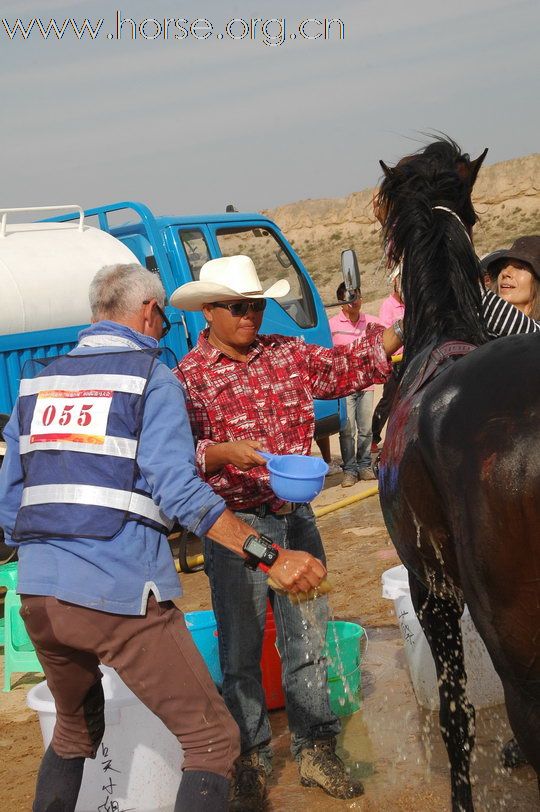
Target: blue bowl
<point>294,477</point>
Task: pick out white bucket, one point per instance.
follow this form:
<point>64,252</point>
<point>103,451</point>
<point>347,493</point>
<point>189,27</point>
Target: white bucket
<point>484,688</point>
<point>139,760</point>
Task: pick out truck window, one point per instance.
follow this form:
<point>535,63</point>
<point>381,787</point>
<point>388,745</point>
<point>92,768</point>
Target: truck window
<point>273,262</point>
<point>196,249</point>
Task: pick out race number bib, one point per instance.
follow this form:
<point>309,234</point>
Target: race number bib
<point>71,416</point>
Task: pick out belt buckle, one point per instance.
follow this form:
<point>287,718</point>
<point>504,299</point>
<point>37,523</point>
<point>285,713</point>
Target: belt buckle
<point>285,509</point>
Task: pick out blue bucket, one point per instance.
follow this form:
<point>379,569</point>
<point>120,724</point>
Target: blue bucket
<point>203,628</point>
<point>294,477</point>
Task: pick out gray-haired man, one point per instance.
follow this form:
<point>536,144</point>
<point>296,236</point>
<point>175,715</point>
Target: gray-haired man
<point>100,460</point>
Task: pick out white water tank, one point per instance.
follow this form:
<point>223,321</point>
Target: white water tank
<point>46,270</point>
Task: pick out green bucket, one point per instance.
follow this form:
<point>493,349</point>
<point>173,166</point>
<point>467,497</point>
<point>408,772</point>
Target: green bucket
<point>344,676</point>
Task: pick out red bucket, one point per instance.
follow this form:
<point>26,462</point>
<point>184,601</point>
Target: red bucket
<point>271,665</point>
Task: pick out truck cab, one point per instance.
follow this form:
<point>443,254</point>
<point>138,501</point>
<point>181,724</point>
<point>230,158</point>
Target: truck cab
<point>176,247</point>
<point>46,268</point>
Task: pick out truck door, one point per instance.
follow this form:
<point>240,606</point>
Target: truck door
<point>189,247</point>
<point>178,339</point>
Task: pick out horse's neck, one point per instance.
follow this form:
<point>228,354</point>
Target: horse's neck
<point>415,365</point>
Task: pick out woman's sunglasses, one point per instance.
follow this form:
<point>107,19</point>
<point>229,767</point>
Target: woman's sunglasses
<point>241,308</point>
<point>166,324</point>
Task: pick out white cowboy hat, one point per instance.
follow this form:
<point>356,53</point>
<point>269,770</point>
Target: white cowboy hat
<point>239,274</point>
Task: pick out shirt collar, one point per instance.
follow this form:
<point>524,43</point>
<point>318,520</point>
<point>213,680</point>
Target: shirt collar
<point>105,329</point>
<point>343,318</point>
<point>213,354</point>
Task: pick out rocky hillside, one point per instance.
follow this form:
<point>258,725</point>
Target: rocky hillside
<point>507,199</point>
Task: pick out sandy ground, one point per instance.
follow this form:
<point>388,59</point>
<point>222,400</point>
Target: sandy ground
<point>391,743</point>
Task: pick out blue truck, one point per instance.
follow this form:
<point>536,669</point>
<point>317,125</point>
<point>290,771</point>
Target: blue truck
<point>46,266</point>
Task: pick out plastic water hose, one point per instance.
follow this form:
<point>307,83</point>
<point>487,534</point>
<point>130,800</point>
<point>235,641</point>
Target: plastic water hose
<point>349,500</point>
<point>192,562</point>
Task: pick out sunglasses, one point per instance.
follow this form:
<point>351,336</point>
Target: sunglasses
<point>166,324</point>
<point>241,308</point>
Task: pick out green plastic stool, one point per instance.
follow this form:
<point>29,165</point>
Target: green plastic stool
<point>19,653</point>
<point>9,574</point>
<point>8,579</point>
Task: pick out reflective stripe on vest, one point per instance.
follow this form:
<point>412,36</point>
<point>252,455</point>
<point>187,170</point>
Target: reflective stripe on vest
<point>111,446</point>
<point>92,495</point>
<point>132,384</point>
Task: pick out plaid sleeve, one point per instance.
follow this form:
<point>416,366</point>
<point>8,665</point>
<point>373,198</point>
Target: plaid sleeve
<point>340,371</point>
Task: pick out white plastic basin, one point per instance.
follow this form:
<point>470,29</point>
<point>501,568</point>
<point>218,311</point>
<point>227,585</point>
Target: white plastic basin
<point>138,765</point>
<point>484,688</point>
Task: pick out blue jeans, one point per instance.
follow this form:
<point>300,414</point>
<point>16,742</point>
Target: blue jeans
<point>358,426</point>
<point>239,600</point>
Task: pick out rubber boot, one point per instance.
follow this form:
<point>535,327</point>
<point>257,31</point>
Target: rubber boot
<point>58,783</point>
<point>202,791</point>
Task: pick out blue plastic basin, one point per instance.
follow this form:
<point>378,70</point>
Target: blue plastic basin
<point>294,477</point>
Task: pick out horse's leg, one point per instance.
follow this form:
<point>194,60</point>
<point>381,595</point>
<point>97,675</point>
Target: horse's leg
<point>523,707</point>
<point>440,621</point>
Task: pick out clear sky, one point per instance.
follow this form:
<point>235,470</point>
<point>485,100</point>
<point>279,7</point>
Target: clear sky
<point>188,124</point>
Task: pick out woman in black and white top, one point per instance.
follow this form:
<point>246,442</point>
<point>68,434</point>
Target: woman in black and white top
<point>515,308</point>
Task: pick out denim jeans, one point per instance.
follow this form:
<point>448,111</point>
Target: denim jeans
<point>358,426</point>
<point>239,599</point>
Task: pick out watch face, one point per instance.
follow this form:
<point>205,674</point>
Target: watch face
<point>256,547</point>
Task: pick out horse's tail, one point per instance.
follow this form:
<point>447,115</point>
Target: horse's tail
<point>426,203</point>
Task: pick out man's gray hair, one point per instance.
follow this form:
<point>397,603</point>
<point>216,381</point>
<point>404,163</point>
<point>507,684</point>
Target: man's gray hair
<point>120,290</point>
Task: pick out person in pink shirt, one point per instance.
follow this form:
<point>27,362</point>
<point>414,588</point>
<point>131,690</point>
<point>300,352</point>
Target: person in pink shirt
<point>392,309</point>
<point>355,439</point>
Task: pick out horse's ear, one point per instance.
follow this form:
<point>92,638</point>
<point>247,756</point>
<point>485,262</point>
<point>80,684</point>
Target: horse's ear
<point>475,166</point>
<point>388,173</point>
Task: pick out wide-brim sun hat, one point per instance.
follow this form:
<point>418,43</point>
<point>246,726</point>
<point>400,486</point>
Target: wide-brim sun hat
<point>491,259</point>
<point>223,280</point>
<point>524,249</point>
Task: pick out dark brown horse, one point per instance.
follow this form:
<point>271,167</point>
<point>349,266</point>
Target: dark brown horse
<point>460,470</point>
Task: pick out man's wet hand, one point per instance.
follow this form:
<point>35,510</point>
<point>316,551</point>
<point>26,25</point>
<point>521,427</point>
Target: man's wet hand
<point>296,571</point>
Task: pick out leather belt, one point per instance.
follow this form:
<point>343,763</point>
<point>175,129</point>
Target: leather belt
<point>265,510</point>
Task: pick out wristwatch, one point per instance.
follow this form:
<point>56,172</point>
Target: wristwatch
<point>261,552</point>
<point>398,329</point>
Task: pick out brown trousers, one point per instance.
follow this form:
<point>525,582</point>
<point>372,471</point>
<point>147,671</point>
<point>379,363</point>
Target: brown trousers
<point>155,656</point>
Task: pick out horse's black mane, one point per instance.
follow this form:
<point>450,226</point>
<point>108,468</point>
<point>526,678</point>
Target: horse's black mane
<point>441,277</point>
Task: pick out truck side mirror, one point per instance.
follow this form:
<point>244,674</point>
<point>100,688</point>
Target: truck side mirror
<point>350,271</point>
<point>282,258</point>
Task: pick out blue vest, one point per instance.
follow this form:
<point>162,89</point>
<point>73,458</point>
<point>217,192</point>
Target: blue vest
<point>80,418</point>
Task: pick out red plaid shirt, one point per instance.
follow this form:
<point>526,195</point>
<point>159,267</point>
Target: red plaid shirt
<point>269,398</point>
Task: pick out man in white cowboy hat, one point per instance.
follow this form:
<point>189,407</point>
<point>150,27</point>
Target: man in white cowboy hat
<point>246,393</point>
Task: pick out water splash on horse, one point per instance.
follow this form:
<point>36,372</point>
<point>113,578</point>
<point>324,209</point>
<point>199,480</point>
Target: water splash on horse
<point>460,469</point>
